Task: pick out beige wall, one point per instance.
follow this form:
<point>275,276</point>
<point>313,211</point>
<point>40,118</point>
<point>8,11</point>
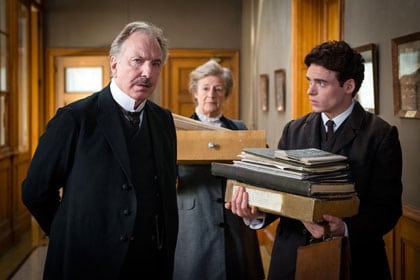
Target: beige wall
<point>261,29</point>
<point>378,21</point>
<point>266,45</point>
<point>187,23</point>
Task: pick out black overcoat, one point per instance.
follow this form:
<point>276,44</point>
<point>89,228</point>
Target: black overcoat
<point>374,153</point>
<point>84,151</point>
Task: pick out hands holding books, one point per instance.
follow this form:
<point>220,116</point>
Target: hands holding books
<point>332,226</point>
<point>239,206</point>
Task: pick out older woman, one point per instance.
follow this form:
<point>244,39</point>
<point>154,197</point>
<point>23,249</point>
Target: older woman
<point>212,242</point>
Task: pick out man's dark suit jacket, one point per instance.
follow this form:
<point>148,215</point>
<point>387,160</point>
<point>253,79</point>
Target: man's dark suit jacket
<point>374,153</point>
<point>84,150</point>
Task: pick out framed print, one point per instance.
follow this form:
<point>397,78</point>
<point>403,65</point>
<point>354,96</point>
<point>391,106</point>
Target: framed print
<point>406,75</point>
<point>280,89</point>
<point>368,92</point>
<point>264,92</point>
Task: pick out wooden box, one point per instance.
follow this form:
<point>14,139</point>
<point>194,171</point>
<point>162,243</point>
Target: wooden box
<point>204,146</point>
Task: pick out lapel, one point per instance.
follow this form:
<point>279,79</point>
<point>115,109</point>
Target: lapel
<point>312,131</point>
<point>157,134</point>
<point>351,126</point>
<point>110,123</point>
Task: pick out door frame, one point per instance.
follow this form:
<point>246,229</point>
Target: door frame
<point>50,85</point>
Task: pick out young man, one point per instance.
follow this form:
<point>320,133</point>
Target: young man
<point>335,74</point>
<point>117,217</point>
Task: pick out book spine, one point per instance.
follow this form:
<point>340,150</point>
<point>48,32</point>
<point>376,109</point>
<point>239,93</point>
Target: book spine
<point>267,180</point>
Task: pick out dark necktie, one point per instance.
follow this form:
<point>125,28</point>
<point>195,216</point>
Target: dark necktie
<point>330,129</point>
<point>133,118</point>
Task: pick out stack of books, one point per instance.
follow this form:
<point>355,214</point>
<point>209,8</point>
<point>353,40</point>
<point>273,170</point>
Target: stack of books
<point>302,184</point>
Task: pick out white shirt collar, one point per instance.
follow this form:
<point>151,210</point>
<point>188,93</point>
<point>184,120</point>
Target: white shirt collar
<point>214,121</point>
<point>125,101</point>
<point>338,120</point>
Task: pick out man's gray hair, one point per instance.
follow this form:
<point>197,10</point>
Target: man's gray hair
<point>143,27</point>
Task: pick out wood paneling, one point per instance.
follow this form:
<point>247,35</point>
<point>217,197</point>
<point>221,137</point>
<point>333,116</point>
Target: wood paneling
<point>6,236</point>
<point>407,245</point>
<point>21,215</point>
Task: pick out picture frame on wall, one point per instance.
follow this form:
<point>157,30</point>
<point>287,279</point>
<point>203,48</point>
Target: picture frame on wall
<point>406,75</point>
<point>368,95</point>
<point>280,89</point>
<point>263,92</point>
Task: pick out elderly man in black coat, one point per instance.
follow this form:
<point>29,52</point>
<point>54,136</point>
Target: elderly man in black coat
<point>117,216</point>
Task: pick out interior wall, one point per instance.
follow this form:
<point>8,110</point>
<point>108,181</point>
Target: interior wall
<point>388,19</point>
<point>267,46</point>
<point>188,24</point>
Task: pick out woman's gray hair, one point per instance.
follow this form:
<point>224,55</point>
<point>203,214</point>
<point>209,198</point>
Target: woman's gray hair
<point>211,68</point>
<point>143,27</point>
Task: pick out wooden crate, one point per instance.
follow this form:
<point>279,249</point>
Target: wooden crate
<point>204,146</point>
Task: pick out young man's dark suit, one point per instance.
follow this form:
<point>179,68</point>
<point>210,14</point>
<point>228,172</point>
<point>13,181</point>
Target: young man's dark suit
<point>374,154</point>
<point>85,149</point>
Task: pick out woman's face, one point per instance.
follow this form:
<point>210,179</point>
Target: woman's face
<point>210,95</point>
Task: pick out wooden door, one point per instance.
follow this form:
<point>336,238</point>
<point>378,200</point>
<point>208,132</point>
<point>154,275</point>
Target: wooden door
<point>313,21</point>
<point>57,62</point>
<point>80,76</point>
<point>175,78</point>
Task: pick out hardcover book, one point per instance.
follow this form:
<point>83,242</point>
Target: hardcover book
<point>281,183</point>
<point>309,156</point>
<point>297,207</point>
<point>267,156</point>
<point>332,176</point>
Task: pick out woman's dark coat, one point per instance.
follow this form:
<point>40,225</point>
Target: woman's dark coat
<point>212,243</point>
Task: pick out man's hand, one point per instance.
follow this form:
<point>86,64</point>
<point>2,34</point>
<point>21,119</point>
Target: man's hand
<point>333,226</point>
<point>239,205</point>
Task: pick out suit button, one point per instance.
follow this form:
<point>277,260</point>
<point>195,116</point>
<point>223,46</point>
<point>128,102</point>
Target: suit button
<point>126,212</point>
<point>222,225</point>
<point>125,187</point>
<point>304,231</point>
<point>219,200</point>
<point>123,238</point>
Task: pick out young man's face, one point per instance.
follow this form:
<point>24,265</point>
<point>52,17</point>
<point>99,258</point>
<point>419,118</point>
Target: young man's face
<point>325,93</point>
<point>137,67</point>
